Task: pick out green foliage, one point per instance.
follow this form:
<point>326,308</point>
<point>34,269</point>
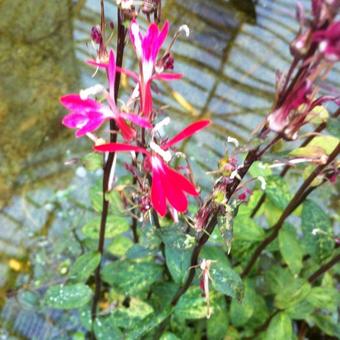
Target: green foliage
<point>280,328</point>
<point>68,296</point>
<point>277,191</point>
<point>290,249</point>
<point>317,229</point>
<point>84,266</point>
<point>131,277</point>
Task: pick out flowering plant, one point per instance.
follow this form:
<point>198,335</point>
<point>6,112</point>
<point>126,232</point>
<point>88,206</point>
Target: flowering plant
<point>177,228</point>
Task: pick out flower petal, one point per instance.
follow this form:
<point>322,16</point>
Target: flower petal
<point>180,181</point>
<point>127,131</point>
<point>74,120</point>
<point>167,76</point>
<point>158,200</point>
<point>119,147</point>
<point>187,132</point>
<point>138,120</point>
<point>111,73</point>
<point>73,102</point>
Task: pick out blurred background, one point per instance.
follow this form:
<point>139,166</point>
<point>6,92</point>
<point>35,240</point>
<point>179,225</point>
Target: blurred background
<point>229,62</point>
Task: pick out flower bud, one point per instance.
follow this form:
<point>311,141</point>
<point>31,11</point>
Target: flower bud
<point>300,46</point>
<point>96,35</point>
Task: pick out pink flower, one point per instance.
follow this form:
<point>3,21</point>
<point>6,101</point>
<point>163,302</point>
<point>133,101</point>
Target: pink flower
<point>147,49</point>
<point>168,186</point>
<point>279,119</point>
<point>329,41</point>
<point>88,115</point>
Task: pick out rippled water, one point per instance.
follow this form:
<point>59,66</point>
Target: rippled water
<point>229,63</point>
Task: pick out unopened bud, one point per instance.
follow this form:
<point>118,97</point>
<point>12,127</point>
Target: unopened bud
<point>96,35</point>
<point>301,45</point>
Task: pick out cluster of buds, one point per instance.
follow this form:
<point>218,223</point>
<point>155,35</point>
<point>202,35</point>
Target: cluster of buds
<point>162,187</point>
<point>315,49</point>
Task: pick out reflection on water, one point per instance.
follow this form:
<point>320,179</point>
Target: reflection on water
<point>229,64</point>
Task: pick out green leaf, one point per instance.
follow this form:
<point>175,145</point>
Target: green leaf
<point>245,229</point>
<point>137,251</point>
<point>115,226</point>
<point>104,329</point>
<point>96,196</point>
<point>240,313</point>
<point>327,143</point>
<point>115,200</point>
<point>325,298</point>
<point>191,305</point>
<point>28,299</point>
<point>260,169</point>
<point>327,325</point>
<point>178,263</point>
<point>126,317</point>
<point>292,294</point>
<point>226,281</point>
<point>333,127</point>
<point>84,266</point>
<point>130,277</point>
<point>148,324</point>
<point>68,296</point>
<point>317,231</point>
<point>277,191</point>
<point>280,328</point>
<point>178,248</point>
<point>290,249</point>
<point>309,151</point>
<point>277,279</point>
<point>169,336</point>
<point>300,311</point>
<point>120,245</point>
<point>93,161</point>
<point>218,323</point>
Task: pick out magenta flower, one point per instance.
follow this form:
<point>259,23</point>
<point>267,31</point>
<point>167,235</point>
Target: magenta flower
<point>329,41</point>
<point>147,49</point>
<point>87,115</point>
<point>279,119</point>
<point>168,186</point>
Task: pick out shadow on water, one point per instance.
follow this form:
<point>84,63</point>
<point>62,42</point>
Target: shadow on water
<point>229,64</point>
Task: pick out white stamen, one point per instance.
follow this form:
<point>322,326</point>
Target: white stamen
<point>233,141</point>
<point>166,155</point>
<point>263,182</point>
<point>91,91</point>
<point>137,41</point>
<point>185,29</point>
<point>164,122</point>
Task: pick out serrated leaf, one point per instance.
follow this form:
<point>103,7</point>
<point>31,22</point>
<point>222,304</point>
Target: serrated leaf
<point>309,151</point>
<point>241,312</point>
<point>178,263</point>
<point>169,336</point>
<point>130,277</point>
<point>84,266</point>
<point>327,324</point>
<point>120,245</point>
<point>191,305</point>
<point>317,231</point>
<point>68,296</point>
<point>226,281</point>
<point>328,143</point>
<point>290,249</point>
<point>325,298</point>
<point>300,311</point>
<point>245,229</point>
<point>292,294</point>
<point>104,329</point>
<point>280,328</point>
<point>277,191</point>
<point>218,323</point>
<point>148,324</point>
<point>115,225</point>
<point>260,169</point>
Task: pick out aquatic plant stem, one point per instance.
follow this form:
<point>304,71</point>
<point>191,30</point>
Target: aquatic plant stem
<point>108,166</point>
<point>298,198</point>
